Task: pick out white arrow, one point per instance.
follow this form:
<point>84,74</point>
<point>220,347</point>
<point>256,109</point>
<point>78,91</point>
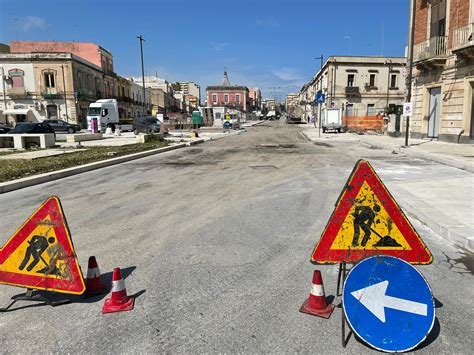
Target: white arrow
<point>374,299</point>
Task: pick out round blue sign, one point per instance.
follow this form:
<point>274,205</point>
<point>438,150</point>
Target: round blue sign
<point>388,303</point>
<point>227,125</point>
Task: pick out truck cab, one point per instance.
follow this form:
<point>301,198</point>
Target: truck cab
<point>105,111</point>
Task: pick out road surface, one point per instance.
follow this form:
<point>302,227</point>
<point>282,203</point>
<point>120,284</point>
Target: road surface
<point>216,240</point>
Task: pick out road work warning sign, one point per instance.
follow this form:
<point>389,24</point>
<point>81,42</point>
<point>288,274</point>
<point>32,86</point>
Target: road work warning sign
<point>367,221</point>
<point>40,255</point>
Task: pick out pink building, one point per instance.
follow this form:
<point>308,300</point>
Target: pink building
<point>91,52</point>
<point>255,97</point>
<point>227,95</point>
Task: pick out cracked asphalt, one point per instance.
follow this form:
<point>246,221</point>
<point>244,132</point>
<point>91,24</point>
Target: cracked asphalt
<point>215,240</point>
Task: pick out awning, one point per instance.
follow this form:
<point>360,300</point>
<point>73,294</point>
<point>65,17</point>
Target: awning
<point>19,111</point>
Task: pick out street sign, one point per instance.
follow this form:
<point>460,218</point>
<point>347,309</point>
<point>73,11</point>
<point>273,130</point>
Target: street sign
<point>367,221</point>
<point>320,97</point>
<point>407,109</point>
<point>388,303</point>
<point>40,255</point>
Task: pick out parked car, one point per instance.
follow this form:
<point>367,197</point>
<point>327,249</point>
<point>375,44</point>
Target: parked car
<point>63,126</point>
<point>146,125</point>
<point>31,127</point>
<point>4,129</point>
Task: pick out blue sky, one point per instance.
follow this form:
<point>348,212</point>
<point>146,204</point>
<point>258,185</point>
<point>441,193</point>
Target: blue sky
<point>271,44</point>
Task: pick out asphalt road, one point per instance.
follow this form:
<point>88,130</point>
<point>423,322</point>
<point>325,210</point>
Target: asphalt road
<point>216,240</point>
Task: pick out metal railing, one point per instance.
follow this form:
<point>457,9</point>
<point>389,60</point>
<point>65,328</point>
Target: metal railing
<point>462,37</point>
<point>432,48</point>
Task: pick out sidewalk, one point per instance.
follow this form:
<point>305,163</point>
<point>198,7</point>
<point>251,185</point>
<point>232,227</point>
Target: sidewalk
<point>444,204</point>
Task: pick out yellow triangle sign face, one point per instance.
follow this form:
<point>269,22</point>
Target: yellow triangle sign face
<point>384,233</point>
<point>40,255</point>
<point>367,221</point>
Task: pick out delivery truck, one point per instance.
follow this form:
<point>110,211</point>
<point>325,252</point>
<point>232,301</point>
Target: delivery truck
<point>332,120</point>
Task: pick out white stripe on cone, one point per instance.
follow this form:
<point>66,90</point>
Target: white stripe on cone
<point>317,290</point>
<point>93,273</point>
<point>118,285</point>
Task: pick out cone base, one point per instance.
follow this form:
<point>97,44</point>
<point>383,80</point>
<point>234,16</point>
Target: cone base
<point>92,290</point>
<point>112,308</point>
<point>323,313</point>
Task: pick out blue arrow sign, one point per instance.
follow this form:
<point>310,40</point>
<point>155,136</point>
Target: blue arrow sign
<point>388,303</point>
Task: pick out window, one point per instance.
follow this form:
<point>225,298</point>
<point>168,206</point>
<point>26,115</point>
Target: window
<point>226,98</point>
<point>17,76</point>
<point>372,80</point>
<point>349,110</point>
<point>393,80</point>
<point>237,98</point>
<point>350,80</point>
<point>214,98</point>
<point>49,80</point>
<point>371,110</point>
<point>438,18</point>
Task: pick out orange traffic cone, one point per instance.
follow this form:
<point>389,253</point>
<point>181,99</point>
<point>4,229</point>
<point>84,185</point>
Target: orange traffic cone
<point>94,284</point>
<point>119,301</point>
<point>316,303</point>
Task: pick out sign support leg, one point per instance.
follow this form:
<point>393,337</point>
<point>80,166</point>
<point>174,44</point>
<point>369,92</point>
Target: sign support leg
<point>342,271</point>
<point>339,279</point>
<point>28,296</point>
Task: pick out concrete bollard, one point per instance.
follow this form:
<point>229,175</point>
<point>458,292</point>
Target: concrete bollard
<point>108,131</point>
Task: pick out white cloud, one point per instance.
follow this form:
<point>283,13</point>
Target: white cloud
<point>267,22</point>
<point>287,74</point>
<point>218,46</point>
<point>32,22</point>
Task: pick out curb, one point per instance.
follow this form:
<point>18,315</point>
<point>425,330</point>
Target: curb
<point>431,157</point>
<point>59,174</point>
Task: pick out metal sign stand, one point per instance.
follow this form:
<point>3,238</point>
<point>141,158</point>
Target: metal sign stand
<point>341,277</point>
<point>28,296</point>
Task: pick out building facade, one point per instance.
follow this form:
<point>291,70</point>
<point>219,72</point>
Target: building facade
<point>255,99</point>
<point>368,90</point>
<point>226,95</point>
<point>39,86</point>
<point>443,73</point>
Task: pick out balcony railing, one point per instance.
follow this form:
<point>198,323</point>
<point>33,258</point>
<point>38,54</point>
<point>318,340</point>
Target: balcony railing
<point>435,47</point>
<point>462,37</point>
<point>50,93</point>
<point>352,90</point>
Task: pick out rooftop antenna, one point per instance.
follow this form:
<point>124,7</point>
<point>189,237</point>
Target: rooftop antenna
<point>16,27</point>
<point>383,35</point>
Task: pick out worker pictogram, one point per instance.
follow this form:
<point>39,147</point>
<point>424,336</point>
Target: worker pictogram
<point>367,221</point>
<point>40,255</point>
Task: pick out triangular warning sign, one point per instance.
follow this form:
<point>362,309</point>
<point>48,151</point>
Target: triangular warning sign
<point>367,221</point>
<point>40,255</point>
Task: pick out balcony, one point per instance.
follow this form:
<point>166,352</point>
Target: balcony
<point>431,53</point>
<point>463,42</point>
<point>16,92</point>
<point>50,93</point>
<point>352,91</point>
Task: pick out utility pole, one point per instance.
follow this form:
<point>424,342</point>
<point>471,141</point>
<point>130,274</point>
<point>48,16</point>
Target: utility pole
<point>4,94</point>
<point>410,68</point>
<point>389,62</point>
<point>65,100</point>
<point>143,70</point>
<point>321,90</point>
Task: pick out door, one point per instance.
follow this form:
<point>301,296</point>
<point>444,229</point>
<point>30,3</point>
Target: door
<point>52,111</point>
<point>434,113</point>
<point>471,133</point>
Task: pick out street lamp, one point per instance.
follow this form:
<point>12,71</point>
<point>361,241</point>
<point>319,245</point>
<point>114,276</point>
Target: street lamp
<point>65,99</point>
<point>143,70</point>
